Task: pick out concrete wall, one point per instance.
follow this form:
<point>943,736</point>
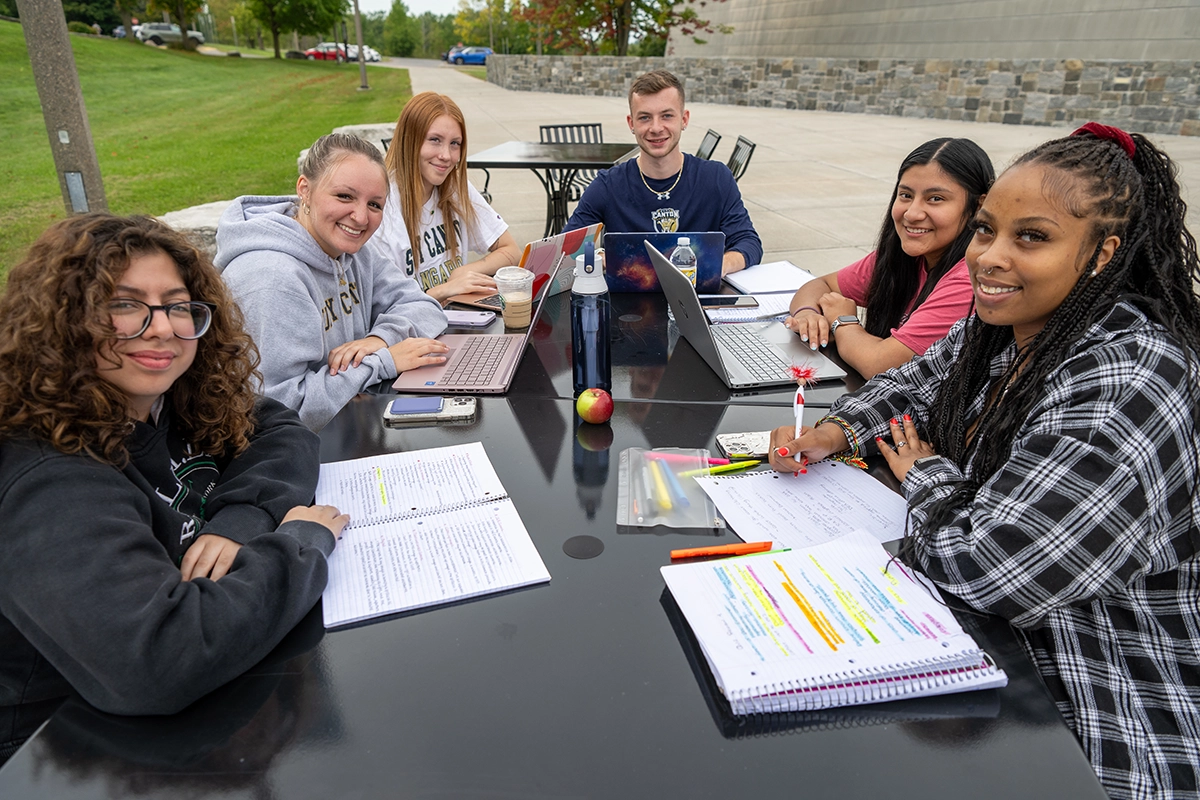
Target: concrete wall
<point>1143,96</point>
<point>958,29</point>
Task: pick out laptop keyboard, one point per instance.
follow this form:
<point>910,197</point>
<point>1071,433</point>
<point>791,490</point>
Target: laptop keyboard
<point>758,357</point>
<point>491,302</point>
<point>480,356</point>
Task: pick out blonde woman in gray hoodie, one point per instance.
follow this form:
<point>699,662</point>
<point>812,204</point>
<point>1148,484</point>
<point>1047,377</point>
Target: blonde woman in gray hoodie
<point>330,316</point>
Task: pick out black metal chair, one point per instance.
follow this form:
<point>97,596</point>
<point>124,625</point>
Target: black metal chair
<point>386,143</point>
<point>589,132</point>
<point>741,157</point>
<point>708,145</point>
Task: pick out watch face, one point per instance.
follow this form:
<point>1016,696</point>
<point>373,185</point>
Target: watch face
<point>848,319</point>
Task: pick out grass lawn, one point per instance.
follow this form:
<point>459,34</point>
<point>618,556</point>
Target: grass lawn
<point>173,129</point>
<point>475,72</point>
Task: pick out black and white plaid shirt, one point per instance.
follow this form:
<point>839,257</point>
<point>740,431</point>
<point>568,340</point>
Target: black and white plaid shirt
<point>1083,539</point>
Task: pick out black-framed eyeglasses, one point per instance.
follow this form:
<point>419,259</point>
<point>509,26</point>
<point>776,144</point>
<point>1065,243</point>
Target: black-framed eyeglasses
<point>189,319</point>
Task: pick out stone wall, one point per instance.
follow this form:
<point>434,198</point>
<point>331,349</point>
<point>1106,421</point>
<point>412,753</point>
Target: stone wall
<point>1143,96</point>
<point>1130,30</point>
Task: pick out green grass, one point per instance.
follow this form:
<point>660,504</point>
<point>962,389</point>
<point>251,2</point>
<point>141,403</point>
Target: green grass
<point>475,72</point>
<point>174,129</point>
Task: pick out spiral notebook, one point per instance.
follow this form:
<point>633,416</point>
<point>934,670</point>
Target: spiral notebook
<point>837,624</point>
<point>426,527</point>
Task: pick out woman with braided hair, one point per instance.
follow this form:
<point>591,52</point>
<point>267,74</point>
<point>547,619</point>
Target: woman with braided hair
<point>1048,447</point>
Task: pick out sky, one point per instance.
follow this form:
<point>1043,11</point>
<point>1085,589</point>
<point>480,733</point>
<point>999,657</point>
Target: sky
<point>415,7</point>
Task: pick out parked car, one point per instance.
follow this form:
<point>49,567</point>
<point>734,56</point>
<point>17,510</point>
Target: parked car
<point>119,32</point>
<point>369,53</point>
<point>472,55</point>
<point>326,51</point>
<point>159,33</point>
<point>452,52</point>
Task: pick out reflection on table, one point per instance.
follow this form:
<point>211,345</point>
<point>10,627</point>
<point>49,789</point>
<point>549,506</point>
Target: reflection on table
<point>650,361</point>
<point>589,686</point>
<point>556,164</point>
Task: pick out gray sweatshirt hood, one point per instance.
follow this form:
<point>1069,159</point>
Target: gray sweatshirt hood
<point>253,223</point>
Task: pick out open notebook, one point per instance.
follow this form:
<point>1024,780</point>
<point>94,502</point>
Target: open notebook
<point>837,624</point>
<point>426,527</point>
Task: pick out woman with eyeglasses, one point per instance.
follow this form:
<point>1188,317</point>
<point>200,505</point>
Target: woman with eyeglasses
<point>158,539</point>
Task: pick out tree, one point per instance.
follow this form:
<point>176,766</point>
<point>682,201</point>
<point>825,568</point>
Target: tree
<point>399,31</point>
<point>306,17</point>
<point>606,26</point>
<point>495,23</point>
<point>127,10</point>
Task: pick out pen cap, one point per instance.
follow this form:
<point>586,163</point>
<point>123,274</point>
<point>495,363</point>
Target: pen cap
<point>589,278</point>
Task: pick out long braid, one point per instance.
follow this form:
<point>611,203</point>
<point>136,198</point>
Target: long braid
<point>1155,265</point>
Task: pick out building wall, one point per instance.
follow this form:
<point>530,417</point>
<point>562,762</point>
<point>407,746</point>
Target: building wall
<point>1143,96</point>
<point>1133,30</point>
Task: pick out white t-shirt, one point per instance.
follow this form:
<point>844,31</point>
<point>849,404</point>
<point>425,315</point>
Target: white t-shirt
<point>436,264</point>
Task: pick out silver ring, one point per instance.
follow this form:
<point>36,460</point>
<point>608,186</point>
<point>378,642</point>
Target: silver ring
<point>900,444</point>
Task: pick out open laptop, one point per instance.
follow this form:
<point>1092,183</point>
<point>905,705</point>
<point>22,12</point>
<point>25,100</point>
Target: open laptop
<point>744,355</point>
<point>480,363</point>
<point>628,269</point>
<point>541,258</point>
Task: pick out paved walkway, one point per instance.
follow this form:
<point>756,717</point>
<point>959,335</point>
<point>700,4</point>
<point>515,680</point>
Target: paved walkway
<point>816,188</point>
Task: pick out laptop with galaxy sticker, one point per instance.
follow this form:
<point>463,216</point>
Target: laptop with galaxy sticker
<point>627,267</point>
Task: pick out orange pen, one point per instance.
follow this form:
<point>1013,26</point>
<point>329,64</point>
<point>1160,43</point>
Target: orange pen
<point>740,549</point>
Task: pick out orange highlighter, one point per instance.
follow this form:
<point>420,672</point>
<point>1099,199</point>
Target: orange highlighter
<point>739,549</point>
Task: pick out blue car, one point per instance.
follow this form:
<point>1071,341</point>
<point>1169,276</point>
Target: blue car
<point>472,55</point>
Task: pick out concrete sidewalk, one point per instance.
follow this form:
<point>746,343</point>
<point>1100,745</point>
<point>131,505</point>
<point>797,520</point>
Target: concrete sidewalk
<point>817,187</point>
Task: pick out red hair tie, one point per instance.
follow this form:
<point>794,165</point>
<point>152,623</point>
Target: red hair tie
<point>1112,134</point>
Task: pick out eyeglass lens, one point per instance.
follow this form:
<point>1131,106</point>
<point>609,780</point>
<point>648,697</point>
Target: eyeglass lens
<point>131,318</point>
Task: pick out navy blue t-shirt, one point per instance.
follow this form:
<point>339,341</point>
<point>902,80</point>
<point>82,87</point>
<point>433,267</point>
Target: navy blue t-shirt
<point>706,199</point>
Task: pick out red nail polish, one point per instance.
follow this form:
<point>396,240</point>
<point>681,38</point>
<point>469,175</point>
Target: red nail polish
<point>895,421</point>
<point>782,452</point>
<point>907,418</point>
<point>879,439</point>
<point>803,472</point>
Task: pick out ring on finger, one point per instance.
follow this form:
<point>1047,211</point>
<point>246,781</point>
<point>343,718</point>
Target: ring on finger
<point>901,444</point>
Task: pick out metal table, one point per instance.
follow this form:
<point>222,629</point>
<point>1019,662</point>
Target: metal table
<point>555,164</point>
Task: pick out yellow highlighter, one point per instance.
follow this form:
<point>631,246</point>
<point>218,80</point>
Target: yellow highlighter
<point>661,495</point>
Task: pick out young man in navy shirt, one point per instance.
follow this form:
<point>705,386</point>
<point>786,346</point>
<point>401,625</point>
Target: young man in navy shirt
<point>664,189</point>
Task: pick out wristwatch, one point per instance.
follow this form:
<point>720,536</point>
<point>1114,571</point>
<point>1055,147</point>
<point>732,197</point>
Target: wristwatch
<point>845,319</point>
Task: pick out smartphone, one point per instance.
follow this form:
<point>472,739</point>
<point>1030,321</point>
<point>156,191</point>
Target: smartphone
<point>470,319</point>
<point>728,301</point>
<point>434,410</point>
<point>756,444</point>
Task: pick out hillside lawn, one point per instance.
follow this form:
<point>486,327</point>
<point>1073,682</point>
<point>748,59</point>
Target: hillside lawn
<point>173,129</point>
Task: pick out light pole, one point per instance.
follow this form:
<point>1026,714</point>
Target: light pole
<point>49,47</point>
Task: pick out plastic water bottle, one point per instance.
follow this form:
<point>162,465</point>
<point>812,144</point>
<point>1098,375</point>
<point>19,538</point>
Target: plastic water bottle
<point>684,258</point>
<point>590,312</point>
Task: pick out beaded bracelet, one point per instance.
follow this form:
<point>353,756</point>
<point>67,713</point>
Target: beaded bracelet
<point>853,454</point>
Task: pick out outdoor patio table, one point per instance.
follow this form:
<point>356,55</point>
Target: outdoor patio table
<point>555,164</point>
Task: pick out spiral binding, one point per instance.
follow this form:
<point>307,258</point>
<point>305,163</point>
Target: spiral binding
<point>854,687</point>
<point>426,512</point>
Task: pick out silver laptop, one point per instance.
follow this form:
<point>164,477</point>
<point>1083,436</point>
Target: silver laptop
<point>745,355</point>
<point>480,363</point>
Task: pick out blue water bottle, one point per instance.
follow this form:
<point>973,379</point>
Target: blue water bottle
<point>590,306</point>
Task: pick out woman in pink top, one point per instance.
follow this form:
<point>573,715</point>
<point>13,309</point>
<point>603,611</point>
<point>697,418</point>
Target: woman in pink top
<point>921,287</point>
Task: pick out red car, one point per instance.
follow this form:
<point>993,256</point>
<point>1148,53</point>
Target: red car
<point>326,51</point>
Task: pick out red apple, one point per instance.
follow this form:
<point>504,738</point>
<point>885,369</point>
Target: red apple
<point>594,405</point>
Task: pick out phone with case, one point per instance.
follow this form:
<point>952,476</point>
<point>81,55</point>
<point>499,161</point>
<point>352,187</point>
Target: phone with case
<point>435,410</point>
<point>756,444</point>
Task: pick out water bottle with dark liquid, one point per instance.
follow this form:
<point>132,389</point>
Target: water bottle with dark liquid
<point>590,312</point>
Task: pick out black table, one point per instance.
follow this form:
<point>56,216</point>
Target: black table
<point>555,164</point>
<point>589,686</point>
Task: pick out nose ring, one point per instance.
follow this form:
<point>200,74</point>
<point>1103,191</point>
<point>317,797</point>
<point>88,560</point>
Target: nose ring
<point>988,270</point>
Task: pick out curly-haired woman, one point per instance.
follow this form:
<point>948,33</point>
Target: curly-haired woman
<point>157,539</point>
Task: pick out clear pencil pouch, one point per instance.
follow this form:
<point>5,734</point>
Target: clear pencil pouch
<point>658,487</point>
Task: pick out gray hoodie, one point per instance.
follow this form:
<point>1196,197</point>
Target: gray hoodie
<point>300,304</point>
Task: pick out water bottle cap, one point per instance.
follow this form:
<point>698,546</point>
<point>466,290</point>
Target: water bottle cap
<point>589,280</point>
<point>684,241</point>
